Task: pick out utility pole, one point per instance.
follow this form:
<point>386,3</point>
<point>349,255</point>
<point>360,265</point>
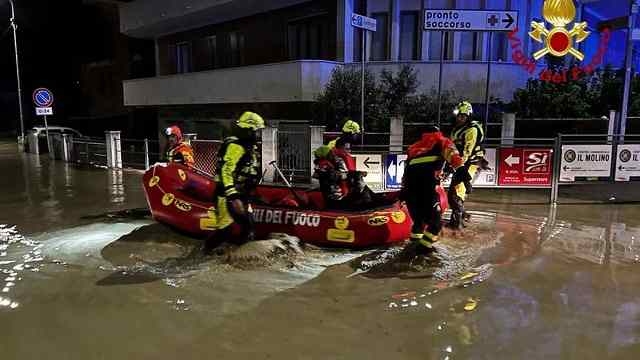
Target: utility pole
<point>628,62</point>
<point>15,46</point>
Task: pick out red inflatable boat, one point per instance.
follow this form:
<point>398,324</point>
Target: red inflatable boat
<point>183,199</point>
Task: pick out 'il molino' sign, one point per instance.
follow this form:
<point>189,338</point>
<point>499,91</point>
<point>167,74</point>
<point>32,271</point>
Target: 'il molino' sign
<point>558,41</point>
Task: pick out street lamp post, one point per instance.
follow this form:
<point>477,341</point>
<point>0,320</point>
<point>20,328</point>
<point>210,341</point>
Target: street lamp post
<point>15,46</point>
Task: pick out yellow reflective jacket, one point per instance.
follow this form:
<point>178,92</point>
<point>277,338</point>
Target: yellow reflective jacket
<point>237,167</point>
<point>468,139</point>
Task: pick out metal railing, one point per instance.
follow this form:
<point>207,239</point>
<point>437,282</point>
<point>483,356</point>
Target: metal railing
<point>89,150</point>
<point>139,154</point>
<point>294,155</point>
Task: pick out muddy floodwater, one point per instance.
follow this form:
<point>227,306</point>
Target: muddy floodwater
<point>86,274</point>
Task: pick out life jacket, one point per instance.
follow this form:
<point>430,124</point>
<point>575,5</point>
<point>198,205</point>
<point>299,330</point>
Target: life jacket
<point>433,150</point>
<point>458,136</point>
<point>238,168</point>
<point>182,153</point>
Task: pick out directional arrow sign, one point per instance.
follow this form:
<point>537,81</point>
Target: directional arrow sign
<point>368,162</point>
<point>470,20</point>
<point>512,160</point>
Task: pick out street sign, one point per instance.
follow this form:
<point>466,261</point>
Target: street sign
<point>470,20</point>
<point>520,166</point>
<point>585,161</point>
<point>42,98</point>
<point>628,163</point>
<point>363,22</point>
<point>42,111</point>
<point>394,166</point>
<point>372,164</point>
<point>484,178</point>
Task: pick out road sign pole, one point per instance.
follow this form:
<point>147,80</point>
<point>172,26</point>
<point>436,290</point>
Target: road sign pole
<point>487,89</point>
<point>364,40</point>
<point>440,77</point>
<point>628,62</point>
<point>46,129</point>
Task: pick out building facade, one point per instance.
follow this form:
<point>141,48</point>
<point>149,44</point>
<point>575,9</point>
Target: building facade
<point>216,58</point>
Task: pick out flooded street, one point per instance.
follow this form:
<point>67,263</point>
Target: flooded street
<point>83,278</point>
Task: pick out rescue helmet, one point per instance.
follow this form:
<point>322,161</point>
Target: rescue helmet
<point>250,120</point>
<point>463,108</point>
<point>351,127</point>
<point>173,130</point>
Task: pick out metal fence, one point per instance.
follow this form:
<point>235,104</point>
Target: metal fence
<point>206,154</point>
<point>89,150</point>
<point>139,154</point>
<point>294,155</point>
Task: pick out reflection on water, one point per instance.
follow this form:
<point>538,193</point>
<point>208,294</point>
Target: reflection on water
<point>17,256</point>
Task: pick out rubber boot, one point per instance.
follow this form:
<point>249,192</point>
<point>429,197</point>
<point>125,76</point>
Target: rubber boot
<point>457,210</point>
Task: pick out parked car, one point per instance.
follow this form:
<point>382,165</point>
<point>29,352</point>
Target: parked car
<point>41,131</point>
<point>41,134</point>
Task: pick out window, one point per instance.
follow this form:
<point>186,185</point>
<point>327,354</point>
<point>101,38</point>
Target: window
<point>470,48</point>
<point>183,58</point>
<point>236,49</point>
<point>435,44</point>
<point>212,51</point>
<point>205,53</point>
<point>409,35</point>
<point>359,7</point>
<point>309,38</point>
<point>379,38</point>
<point>500,41</point>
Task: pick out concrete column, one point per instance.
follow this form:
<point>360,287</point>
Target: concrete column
<point>316,134</point>
<point>189,137</point>
<point>612,123</point>
<point>32,144</point>
<point>269,152</point>
<point>508,128</point>
<point>114,149</point>
<point>396,134</point>
<point>344,31</point>
<point>67,147</point>
<point>394,19</point>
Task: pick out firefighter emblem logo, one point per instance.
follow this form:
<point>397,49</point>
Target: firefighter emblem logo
<point>558,40</point>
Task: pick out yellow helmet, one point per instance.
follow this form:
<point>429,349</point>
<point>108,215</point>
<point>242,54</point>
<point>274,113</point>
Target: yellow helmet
<point>250,120</point>
<point>463,108</point>
<point>351,127</point>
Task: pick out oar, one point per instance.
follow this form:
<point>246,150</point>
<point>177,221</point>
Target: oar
<point>275,166</point>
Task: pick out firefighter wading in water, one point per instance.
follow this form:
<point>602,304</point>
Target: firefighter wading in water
<point>178,150</point>
<point>236,178</point>
<point>467,135</point>
<point>426,159</point>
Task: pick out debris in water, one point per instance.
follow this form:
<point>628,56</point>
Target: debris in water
<point>469,275</point>
<point>393,305</point>
<point>449,349</point>
<point>471,304</point>
<point>428,306</point>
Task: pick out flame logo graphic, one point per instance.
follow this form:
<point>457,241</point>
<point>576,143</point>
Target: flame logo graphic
<point>559,12</point>
<point>559,41</point>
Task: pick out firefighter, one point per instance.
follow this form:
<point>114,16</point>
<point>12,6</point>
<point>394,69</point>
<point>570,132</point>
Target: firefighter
<point>178,151</point>
<point>425,161</point>
<point>336,168</point>
<point>237,176</point>
<point>467,136</point>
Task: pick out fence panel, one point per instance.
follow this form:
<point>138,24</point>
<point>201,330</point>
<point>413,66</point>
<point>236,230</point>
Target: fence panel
<point>294,155</point>
<point>88,150</point>
<point>206,154</point>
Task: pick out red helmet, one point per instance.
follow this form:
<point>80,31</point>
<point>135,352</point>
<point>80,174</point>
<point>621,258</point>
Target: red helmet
<point>174,130</point>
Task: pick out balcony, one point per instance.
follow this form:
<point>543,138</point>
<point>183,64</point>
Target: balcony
<point>294,81</point>
<point>153,18</point>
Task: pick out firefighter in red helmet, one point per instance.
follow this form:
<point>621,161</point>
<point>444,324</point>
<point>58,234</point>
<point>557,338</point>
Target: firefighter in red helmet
<point>178,150</point>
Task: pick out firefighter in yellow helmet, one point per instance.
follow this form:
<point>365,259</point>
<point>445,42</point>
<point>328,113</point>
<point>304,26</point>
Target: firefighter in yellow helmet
<point>336,168</point>
<point>236,177</point>
<point>467,135</point>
